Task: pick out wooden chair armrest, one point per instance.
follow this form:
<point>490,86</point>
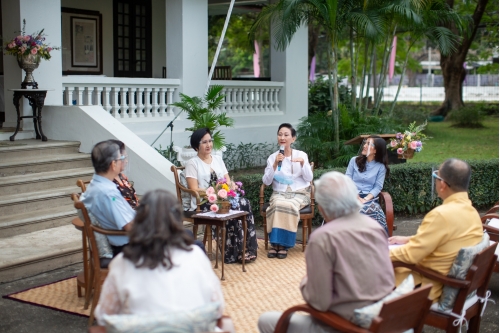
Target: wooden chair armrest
<point>493,209</point>
<point>329,318</point>
<point>492,232</point>
<point>433,275</point>
<point>489,216</point>
<point>108,231</point>
<point>261,195</point>
<point>78,223</point>
<point>97,329</point>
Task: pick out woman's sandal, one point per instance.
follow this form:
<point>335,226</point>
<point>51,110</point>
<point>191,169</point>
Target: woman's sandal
<point>272,253</point>
<point>282,254</point>
<point>248,258</point>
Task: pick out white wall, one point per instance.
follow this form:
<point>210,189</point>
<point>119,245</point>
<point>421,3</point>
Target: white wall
<point>35,13</point>
<point>91,124</point>
<point>105,7</point>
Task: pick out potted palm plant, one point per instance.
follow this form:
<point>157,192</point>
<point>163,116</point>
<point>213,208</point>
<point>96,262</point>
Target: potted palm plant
<point>202,112</point>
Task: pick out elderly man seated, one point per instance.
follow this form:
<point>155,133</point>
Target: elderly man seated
<point>445,229</point>
<point>347,259</point>
<point>102,198</point>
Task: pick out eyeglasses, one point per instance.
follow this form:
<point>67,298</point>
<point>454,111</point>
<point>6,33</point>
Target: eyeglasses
<point>435,175</point>
<point>206,142</point>
<point>122,158</point>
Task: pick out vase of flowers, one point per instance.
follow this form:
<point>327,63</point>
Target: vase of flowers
<point>222,196</point>
<point>29,50</point>
<point>409,142</point>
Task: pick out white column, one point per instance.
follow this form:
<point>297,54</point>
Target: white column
<point>187,44</point>
<point>290,67</point>
<point>49,73</point>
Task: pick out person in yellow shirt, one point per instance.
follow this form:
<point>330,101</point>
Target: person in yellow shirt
<point>445,229</point>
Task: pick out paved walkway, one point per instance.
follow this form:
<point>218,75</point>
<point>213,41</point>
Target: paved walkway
<point>20,317</point>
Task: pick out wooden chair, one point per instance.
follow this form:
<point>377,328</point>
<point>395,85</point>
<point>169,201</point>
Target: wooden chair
<point>478,278</point>
<point>385,201</point>
<point>187,214</point>
<point>306,215</point>
<point>82,184</point>
<point>83,277</point>
<point>222,73</point>
<point>225,323</point>
<point>98,266</point>
<point>397,315</point>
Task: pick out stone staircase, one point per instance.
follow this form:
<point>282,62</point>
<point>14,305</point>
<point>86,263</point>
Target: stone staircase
<point>36,180</point>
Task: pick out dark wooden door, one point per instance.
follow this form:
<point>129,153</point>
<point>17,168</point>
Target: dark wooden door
<point>132,38</point>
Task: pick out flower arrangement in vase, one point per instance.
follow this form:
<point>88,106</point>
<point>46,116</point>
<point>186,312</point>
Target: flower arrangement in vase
<point>29,49</point>
<point>409,142</point>
<point>222,197</point>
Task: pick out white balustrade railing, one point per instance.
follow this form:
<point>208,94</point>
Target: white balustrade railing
<point>250,97</point>
<point>122,97</point>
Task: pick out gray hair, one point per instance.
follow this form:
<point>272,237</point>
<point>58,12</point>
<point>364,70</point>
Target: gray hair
<point>103,154</point>
<point>337,195</point>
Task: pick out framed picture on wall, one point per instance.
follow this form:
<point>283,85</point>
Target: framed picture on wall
<point>81,41</point>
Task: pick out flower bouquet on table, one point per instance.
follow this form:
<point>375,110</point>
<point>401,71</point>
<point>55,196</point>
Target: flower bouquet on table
<point>409,142</point>
<point>222,197</point>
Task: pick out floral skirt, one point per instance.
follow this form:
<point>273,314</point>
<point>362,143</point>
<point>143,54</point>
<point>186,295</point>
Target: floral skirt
<point>234,234</point>
<point>372,209</point>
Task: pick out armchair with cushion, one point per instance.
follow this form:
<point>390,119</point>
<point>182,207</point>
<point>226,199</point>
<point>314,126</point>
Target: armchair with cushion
<point>467,307</point>
<point>397,315</point>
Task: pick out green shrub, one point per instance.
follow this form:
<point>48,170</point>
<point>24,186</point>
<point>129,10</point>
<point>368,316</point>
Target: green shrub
<point>410,186</point>
<point>469,116</point>
<point>319,95</point>
<point>247,155</point>
<point>407,114</point>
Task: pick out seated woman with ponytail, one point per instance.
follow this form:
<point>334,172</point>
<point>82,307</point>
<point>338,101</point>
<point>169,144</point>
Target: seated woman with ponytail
<point>368,170</point>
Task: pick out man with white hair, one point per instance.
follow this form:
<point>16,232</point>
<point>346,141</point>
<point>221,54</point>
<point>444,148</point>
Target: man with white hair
<point>347,259</point>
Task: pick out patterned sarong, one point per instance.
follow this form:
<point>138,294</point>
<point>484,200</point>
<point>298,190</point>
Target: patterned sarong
<point>283,216</point>
<point>372,209</point>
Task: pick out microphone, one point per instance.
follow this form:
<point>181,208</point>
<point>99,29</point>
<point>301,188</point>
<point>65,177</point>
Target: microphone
<point>282,151</point>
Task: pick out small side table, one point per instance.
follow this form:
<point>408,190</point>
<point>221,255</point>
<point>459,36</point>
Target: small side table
<point>36,98</point>
<point>220,222</point>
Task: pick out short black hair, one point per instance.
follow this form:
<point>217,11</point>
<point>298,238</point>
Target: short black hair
<point>156,231</point>
<point>456,173</point>
<point>197,136</point>
<point>290,127</point>
<point>103,154</point>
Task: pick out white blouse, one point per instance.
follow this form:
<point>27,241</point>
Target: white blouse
<point>196,168</point>
<point>189,284</point>
<point>301,176</point>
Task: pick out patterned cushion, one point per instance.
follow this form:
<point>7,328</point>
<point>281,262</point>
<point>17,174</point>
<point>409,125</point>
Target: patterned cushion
<point>459,270</point>
<point>363,317</point>
<point>202,319</point>
<point>103,246</point>
<point>186,197</point>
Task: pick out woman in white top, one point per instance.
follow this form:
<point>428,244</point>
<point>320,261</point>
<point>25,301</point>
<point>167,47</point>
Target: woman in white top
<point>159,271</point>
<point>291,192</point>
<point>205,169</point>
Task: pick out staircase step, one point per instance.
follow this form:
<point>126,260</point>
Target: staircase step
<point>39,251</point>
<point>43,180</point>
<point>21,135</point>
<point>13,225</point>
<point>44,163</point>
<point>22,148</point>
<point>36,200</point>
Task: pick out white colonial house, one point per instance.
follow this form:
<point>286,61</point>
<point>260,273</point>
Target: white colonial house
<point>143,54</point>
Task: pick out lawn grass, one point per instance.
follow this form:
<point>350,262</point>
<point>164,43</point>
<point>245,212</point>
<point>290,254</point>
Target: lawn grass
<point>463,143</point>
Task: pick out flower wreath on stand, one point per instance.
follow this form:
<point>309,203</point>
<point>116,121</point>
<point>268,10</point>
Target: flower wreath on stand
<point>221,196</point>
<point>410,141</point>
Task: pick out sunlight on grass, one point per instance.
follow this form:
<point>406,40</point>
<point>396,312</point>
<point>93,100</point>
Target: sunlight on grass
<point>463,143</point>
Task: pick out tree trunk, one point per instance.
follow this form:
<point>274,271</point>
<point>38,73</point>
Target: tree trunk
<point>401,80</point>
<point>332,84</point>
<point>362,88</point>
<point>452,65</point>
<point>372,68</point>
<point>353,69</point>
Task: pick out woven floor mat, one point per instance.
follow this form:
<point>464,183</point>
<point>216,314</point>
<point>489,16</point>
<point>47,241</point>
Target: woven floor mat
<point>268,284</point>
